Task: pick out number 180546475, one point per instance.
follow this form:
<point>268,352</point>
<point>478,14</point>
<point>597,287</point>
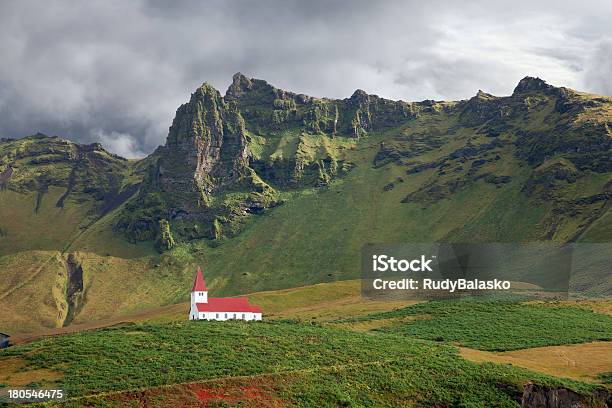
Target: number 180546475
<point>38,395</point>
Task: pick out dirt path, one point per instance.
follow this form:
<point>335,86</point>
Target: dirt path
<point>581,362</point>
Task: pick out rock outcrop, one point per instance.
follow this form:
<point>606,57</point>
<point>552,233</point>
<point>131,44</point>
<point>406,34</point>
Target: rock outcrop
<point>265,108</point>
<point>531,84</point>
<point>538,396</point>
<point>206,157</point>
<point>206,150</point>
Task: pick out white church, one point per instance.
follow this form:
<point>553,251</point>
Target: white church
<point>205,308</point>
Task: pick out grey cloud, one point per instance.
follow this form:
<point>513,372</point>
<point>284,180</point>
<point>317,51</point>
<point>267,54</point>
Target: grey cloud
<point>115,71</point>
<point>598,74</point>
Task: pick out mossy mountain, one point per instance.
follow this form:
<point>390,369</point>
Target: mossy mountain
<point>229,156</point>
<point>217,148</point>
<point>271,189</point>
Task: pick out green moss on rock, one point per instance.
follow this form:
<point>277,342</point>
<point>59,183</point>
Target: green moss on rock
<point>164,241</point>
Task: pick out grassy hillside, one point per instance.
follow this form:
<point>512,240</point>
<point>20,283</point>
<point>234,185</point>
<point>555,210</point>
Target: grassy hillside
<point>24,227</point>
<point>321,302</point>
<point>510,324</point>
<point>292,363</point>
<point>385,354</point>
<point>317,235</point>
<point>32,291</point>
<point>40,289</point>
<point>588,362</point>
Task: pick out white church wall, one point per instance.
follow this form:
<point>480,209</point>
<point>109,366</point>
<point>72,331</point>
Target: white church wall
<point>224,316</point>
<point>193,313</point>
<point>199,297</point>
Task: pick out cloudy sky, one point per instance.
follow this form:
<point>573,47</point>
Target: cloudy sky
<point>115,71</point>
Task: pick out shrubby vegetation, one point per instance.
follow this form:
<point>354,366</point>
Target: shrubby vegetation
<point>309,365</point>
<point>497,325</point>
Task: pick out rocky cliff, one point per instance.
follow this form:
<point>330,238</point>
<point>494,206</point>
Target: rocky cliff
<point>538,396</point>
<point>205,160</point>
<point>228,157</point>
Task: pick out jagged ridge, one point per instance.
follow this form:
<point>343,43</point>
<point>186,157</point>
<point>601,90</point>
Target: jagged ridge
<point>230,156</point>
<point>254,141</point>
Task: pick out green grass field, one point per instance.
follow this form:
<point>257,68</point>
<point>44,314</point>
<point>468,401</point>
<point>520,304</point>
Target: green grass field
<point>402,357</point>
<point>496,325</point>
<point>307,365</point>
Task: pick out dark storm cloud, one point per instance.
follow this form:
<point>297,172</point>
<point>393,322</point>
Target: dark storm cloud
<point>115,71</point>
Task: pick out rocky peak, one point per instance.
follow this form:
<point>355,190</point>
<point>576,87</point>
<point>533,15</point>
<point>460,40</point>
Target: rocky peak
<point>483,95</point>
<point>240,85</point>
<point>249,92</point>
<point>360,96</point>
<point>206,144</point>
<point>481,107</point>
<point>199,118</point>
<point>531,84</point>
<point>206,154</point>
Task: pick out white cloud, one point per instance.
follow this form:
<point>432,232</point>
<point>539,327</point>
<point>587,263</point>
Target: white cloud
<point>119,143</point>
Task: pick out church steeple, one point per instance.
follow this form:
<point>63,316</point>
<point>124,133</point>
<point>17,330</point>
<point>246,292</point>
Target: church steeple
<point>199,285</point>
<point>199,292</point>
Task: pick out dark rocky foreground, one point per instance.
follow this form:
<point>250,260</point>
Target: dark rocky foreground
<point>538,396</point>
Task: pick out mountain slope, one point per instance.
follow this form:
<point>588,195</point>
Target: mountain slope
<point>268,189</point>
<point>52,188</point>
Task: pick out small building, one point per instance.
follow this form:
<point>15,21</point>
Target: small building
<point>210,308</point>
<point>4,340</point>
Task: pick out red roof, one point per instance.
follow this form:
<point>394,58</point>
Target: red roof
<point>199,285</point>
<point>235,304</point>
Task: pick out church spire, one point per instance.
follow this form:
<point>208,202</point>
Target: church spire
<point>199,285</point>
